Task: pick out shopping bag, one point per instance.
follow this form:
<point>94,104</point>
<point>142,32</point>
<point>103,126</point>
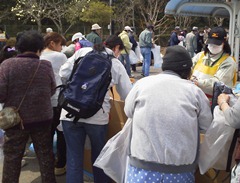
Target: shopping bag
<point>214,150</point>
<point>133,57</point>
<point>157,56</point>
<point>138,53</point>
<point>113,157</point>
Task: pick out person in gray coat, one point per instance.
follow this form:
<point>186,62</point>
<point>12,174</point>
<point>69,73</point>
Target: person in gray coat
<point>191,41</point>
<point>168,111</point>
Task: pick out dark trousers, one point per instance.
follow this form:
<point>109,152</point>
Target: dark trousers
<point>61,144</point>
<point>14,148</point>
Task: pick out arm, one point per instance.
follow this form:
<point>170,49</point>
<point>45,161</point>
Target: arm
<point>194,43</point>
<point>126,42</point>
<point>130,101</point>
<point>204,111</point>
<point>3,83</point>
<point>52,78</point>
<point>121,79</point>
<point>224,74</point>
<point>232,114</point>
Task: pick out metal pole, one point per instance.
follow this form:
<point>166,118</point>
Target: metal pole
<point>110,27</point>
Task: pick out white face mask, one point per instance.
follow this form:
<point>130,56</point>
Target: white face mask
<point>215,49</point>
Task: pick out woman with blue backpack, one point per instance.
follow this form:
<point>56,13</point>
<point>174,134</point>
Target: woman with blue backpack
<point>95,127</point>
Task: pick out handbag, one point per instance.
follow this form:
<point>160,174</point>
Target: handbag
<point>9,116</point>
<point>113,158</point>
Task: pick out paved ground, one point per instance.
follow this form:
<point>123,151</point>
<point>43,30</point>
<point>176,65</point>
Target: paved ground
<point>30,172</point>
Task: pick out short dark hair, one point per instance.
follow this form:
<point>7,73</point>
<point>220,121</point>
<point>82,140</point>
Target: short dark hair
<point>30,41</point>
<point>111,42</point>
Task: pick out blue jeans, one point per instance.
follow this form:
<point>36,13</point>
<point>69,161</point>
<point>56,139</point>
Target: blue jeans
<point>146,53</point>
<point>127,64</point>
<point>75,135</point>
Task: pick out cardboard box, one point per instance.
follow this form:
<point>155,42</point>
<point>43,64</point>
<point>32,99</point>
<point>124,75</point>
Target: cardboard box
<point>117,118</point>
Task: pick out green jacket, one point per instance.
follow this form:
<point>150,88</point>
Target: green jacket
<point>145,39</point>
<point>94,38</point>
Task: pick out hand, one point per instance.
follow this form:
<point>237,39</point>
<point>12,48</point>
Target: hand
<point>223,98</point>
<point>194,79</point>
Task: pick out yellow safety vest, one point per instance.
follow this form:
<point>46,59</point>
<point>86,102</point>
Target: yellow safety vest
<point>211,70</point>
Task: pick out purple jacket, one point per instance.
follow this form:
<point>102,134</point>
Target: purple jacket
<point>15,75</point>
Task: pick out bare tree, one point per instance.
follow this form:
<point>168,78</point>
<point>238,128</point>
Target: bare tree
<point>67,10</point>
<point>184,22</point>
<point>34,10</point>
<point>152,11</point>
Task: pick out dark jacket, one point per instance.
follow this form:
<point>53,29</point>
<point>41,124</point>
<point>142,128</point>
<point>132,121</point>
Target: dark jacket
<point>174,39</point>
<point>15,75</point>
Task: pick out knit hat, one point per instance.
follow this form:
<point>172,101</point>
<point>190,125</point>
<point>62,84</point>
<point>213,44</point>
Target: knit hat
<point>176,58</point>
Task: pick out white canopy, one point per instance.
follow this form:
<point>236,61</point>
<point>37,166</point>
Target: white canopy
<point>211,8</point>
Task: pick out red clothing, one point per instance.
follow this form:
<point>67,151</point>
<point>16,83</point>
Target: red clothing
<point>15,75</point>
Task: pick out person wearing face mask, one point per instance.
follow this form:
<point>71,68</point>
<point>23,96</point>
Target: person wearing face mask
<point>96,126</point>
<point>214,64</point>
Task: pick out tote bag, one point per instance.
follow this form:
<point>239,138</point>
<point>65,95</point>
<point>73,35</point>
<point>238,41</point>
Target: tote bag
<point>114,156</point>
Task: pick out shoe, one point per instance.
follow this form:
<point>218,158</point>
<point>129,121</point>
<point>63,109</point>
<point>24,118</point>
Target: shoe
<point>60,171</point>
<point>143,75</point>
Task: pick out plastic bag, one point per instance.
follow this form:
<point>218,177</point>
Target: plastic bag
<point>138,53</point>
<point>133,57</point>
<point>157,56</point>
<point>217,141</point>
<point>114,155</point>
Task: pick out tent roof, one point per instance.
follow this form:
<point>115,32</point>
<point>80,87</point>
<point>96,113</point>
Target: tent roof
<point>197,8</point>
<point>211,8</point>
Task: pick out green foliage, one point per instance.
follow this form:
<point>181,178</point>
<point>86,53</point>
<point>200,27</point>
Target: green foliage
<point>97,12</point>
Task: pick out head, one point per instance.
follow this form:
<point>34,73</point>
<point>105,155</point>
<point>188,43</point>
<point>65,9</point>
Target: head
<point>128,29</point>
<point>54,41</point>
<point>76,37</point>
<point>177,29</point>
<point>113,42</point>
<point>150,27</point>
<point>30,41</point>
<point>195,29</point>
<point>49,30</point>
<point>217,41</point>
<point>1,30</point>
<point>7,52</point>
<point>96,27</point>
<point>178,60</point>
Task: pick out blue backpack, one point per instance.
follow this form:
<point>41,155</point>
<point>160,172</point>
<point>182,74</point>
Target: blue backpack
<point>84,93</point>
<point>85,43</point>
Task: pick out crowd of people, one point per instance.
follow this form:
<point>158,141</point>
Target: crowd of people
<point>166,125</point>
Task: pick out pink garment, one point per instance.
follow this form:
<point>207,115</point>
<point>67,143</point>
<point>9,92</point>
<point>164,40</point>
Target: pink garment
<point>77,46</point>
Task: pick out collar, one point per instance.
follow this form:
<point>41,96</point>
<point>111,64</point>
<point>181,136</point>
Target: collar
<point>170,73</point>
<point>28,55</point>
